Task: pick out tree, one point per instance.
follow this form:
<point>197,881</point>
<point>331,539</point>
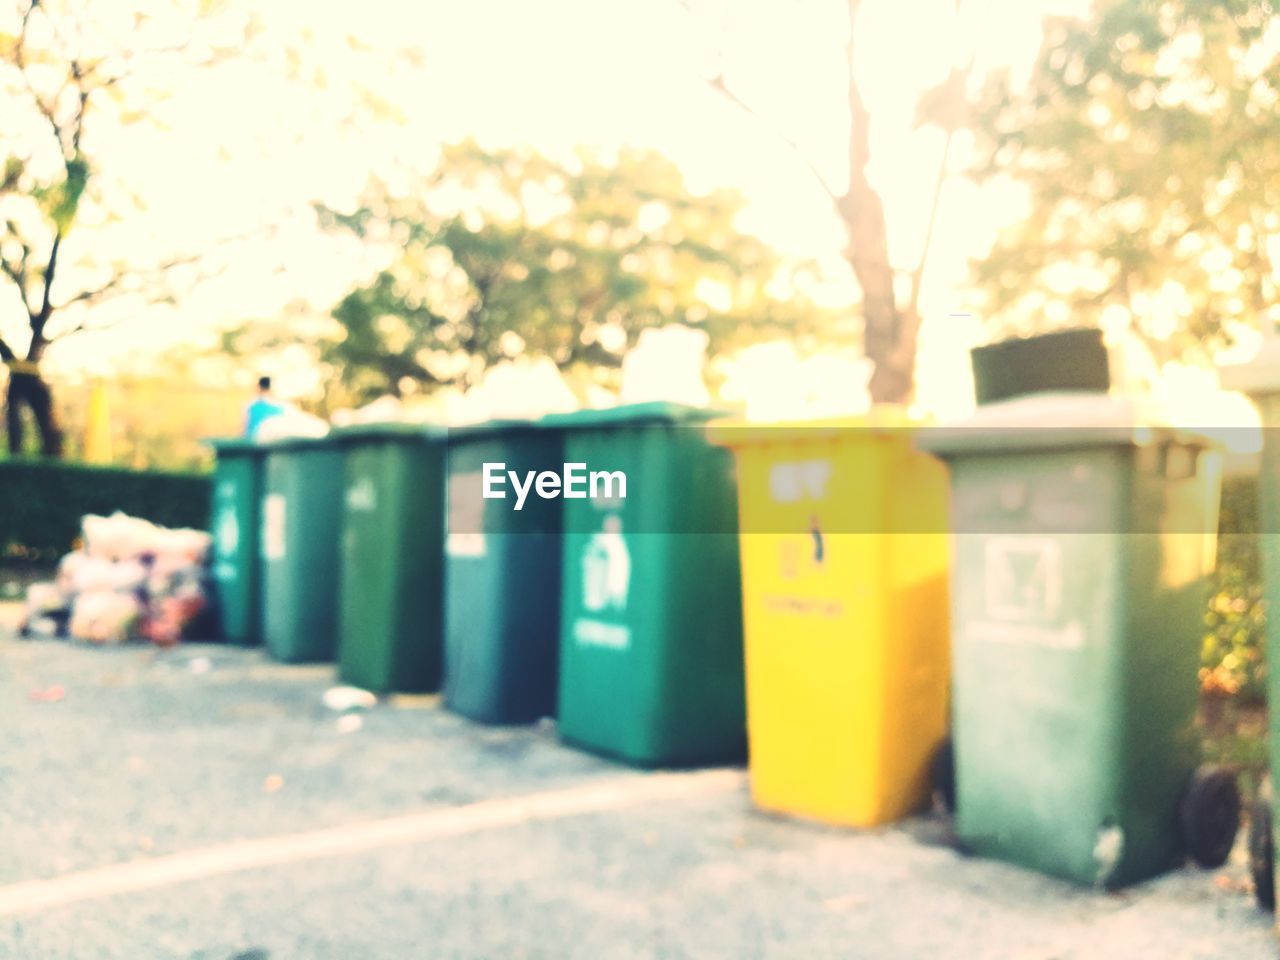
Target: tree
<point>1146,142</point>
<point>508,252</point>
<point>890,310</point>
<point>64,70</point>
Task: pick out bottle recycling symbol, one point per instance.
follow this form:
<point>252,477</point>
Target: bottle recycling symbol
<point>606,569</point>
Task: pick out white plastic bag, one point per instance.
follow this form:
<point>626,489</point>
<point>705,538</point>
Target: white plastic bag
<point>516,390</point>
<point>67,567</point>
<point>291,423</point>
<point>104,616</point>
<point>117,537</point>
<point>386,409</point>
<point>181,547</point>
<point>666,364</point>
<point>93,574</point>
<point>45,597</point>
<point>127,576</point>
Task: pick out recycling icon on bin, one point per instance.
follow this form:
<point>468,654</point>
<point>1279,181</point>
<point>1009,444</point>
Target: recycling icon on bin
<point>606,569</point>
<point>226,532</point>
<point>1024,578</point>
<point>226,540</point>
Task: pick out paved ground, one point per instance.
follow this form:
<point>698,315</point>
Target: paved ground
<point>204,803</point>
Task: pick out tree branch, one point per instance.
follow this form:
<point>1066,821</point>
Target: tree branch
<point>113,286</point>
<point>82,104</point>
<point>959,77</point>
<point>96,294</point>
<point>718,84</point>
<point>859,115</point>
<point>46,306</point>
<point>861,207</point>
<point>19,277</point>
<point>18,272</point>
<point>15,273</point>
<point>83,327</point>
<point>20,60</point>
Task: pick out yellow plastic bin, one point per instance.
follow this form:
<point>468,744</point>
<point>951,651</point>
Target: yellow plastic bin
<point>844,569</point>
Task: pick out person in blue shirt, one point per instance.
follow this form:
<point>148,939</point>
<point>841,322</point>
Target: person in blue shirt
<point>263,408</point>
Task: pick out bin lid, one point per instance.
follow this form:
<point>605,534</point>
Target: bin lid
<point>330,439</point>
<point>390,430</point>
<point>222,445</point>
<point>1051,421</point>
<point>632,413</point>
<point>882,420</point>
<point>491,427</point>
<point>1261,375</point>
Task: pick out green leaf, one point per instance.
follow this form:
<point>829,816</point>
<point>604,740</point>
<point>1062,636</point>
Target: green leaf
<point>65,200</point>
<point>13,170</point>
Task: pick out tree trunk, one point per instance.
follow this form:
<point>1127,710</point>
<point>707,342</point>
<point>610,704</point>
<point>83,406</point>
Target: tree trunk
<point>889,330</point>
<point>29,389</point>
<point>891,341</point>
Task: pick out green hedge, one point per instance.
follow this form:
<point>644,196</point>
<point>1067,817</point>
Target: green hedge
<point>1232,660</point>
<point>42,501</point>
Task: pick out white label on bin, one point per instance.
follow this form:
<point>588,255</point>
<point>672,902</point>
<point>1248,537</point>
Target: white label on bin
<point>362,495</point>
<point>594,633</point>
<point>273,539</point>
<point>464,545</point>
<point>799,480</point>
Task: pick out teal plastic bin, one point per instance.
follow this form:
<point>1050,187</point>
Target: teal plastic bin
<point>301,528</point>
<point>237,572</point>
<point>651,662</point>
<point>390,599</point>
<point>501,578</point>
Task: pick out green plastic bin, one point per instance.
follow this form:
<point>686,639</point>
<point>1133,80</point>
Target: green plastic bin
<point>237,575</point>
<point>501,578</point>
<point>651,663</point>
<point>1085,534</point>
<point>390,620</point>
<point>1260,379</point>
<point>301,528</point>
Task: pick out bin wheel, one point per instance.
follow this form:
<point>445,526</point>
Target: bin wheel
<point>1262,855</point>
<point>942,775</point>
<point>1209,815</point>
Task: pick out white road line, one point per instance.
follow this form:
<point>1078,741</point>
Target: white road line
<point>617,793</point>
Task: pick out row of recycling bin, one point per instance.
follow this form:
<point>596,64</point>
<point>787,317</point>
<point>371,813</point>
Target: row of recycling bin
<point>1072,701</point>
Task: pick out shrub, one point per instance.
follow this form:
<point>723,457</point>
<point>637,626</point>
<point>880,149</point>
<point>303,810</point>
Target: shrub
<point>1232,658</point>
<point>42,501</point>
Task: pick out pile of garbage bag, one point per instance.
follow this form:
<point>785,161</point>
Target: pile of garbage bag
<point>129,580</point>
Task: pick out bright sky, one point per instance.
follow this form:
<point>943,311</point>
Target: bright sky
<point>240,147</point>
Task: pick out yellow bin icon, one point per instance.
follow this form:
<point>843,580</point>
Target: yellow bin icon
<point>844,578</point>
